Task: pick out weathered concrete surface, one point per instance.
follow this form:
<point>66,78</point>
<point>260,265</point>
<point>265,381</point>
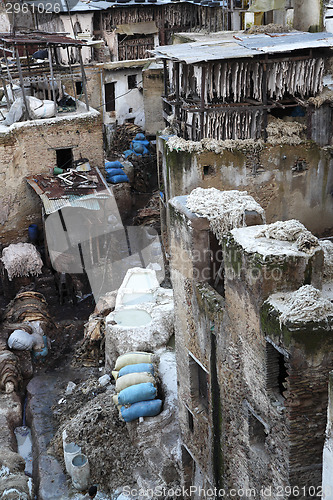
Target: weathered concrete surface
<point>50,479</point>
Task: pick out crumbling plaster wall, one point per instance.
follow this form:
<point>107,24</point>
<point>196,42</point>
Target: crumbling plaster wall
<point>30,147</point>
<point>153,88</point>
<point>267,175</point>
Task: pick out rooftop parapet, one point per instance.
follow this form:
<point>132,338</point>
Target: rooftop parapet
<point>276,257</point>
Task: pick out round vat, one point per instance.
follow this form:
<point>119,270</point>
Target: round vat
<point>132,317</point>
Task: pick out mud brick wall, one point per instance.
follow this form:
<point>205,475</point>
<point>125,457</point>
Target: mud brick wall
<point>310,347</point>
<point>30,147</point>
<point>266,175</point>
<point>250,435</point>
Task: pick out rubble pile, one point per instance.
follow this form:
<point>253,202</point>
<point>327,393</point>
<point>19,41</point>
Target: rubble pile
<point>92,421</point>
<point>123,135</point>
<point>150,214</point>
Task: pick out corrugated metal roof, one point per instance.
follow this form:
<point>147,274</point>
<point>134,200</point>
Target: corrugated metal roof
<point>38,38</point>
<point>52,206</point>
<point>92,5</point>
<point>56,195</point>
<point>241,45</point>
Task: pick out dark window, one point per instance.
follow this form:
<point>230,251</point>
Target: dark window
<point>216,265</point>
<point>208,170</point>
<point>131,81</point>
<point>64,158</point>
<point>198,383</point>
<point>78,88</point>
<point>190,420</point>
<point>276,371</point>
<point>110,101</point>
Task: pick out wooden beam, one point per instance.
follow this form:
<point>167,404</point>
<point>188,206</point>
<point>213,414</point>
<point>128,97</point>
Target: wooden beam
<point>84,80</point>
<point>52,79</point>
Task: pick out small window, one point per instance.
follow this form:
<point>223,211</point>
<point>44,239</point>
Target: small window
<point>190,420</point>
<point>131,81</point>
<point>276,371</point>
<point>79,88</point>
<point>198,383</point>
<point>110,101</point>
<point>208,170</point>
<point>64,158</point>
<point>216,265</point>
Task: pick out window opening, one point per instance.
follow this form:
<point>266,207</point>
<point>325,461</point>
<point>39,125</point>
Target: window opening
<point>198,383</point>
<point>131,82</point>
<point>110,101</point>
<point>64,158</point>
<point>276,371</point>
<point>216,265</point>
<point>79,88</point>
<point>190,420</point>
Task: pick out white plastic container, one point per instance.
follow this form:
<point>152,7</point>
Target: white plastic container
<point>80,472</point>
<point>71,450</point>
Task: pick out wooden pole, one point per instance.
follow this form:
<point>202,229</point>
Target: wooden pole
<point>26,113</point>
<point>52,79</point>
<point>84,80</point>
<point>71,72</point>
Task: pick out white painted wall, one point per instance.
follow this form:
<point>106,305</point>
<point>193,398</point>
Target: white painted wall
<point>126,99</point>
<point>83,20</point>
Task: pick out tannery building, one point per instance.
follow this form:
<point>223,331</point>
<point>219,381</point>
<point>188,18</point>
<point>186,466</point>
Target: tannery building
<point>253,300</point>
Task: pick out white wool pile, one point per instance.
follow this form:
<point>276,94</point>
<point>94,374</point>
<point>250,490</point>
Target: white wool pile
<point>327,247</point>
<point>21,259</point>
<point>225,210</point>
<point>306,304</point>
<point>216,146</point>
<point>290,230</point>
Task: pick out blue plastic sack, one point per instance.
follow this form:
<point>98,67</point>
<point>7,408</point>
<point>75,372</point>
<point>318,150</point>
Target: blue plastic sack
<point>117,179</point>
<point>114,171</point>
<point>138,368</point>
<point>113,164</point>
<point>142,409</point>
<point>137,392</point>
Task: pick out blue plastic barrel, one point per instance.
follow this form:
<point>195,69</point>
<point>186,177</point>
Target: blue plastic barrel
<point>33,233</point>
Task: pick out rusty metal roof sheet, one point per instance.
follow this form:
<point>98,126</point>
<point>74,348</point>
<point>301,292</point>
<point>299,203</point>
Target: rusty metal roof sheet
<point>38,38</point>
<point>242,45</point>
<point>55,195</point>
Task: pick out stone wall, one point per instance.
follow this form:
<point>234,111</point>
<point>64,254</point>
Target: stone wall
<point>266,174</point>
<point>252,434</point>
<point>30,147</point>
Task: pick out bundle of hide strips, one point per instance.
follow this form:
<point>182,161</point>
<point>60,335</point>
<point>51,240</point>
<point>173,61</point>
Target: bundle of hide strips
<point>10,373</point>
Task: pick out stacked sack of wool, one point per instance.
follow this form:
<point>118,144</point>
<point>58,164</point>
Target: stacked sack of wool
<point>136,386</point>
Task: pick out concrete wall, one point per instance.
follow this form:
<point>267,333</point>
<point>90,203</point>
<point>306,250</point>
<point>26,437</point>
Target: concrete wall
<point>30,147</point>
<point>308,15</point>
<point>265,174</point>
<point>153,89</point>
